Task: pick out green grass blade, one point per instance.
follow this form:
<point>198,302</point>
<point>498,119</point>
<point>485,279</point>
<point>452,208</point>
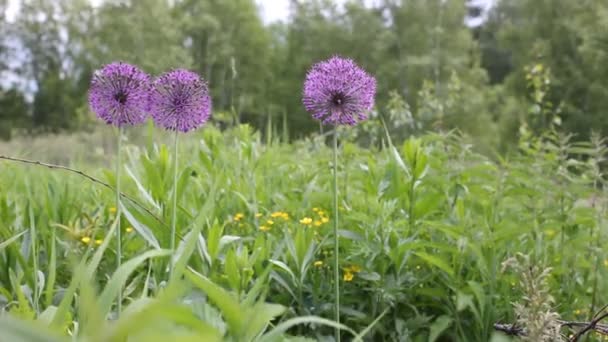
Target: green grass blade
<point>10,240</point>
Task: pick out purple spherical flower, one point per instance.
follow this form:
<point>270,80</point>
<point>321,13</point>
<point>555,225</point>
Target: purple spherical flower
<point>180,101</point>
<point>337,91</point>
<point>119,94</point>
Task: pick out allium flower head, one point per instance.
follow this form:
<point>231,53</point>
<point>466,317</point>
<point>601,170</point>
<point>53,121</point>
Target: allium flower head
<point>119,94</point>
<point>180,101</point>
<point>337,91</point>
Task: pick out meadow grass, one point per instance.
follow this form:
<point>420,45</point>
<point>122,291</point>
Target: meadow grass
<point>427,230</point>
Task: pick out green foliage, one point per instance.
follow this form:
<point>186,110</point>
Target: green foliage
<point>426,226</point>
<point>430,66</point>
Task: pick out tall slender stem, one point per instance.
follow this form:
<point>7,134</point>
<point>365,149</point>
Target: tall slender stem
<point>336,238</point>
<point>34,243</point>
<point>174,211</point>
<point>118,213</point>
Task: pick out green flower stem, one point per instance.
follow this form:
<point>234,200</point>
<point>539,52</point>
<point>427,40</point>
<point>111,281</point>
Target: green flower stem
<point>118,213</point>
<point>336,237</point>
<point>174,211</point>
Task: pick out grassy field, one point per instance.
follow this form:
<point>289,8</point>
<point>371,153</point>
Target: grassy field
<point>437,242</point>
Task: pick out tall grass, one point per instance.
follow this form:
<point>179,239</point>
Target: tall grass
<point>424,230</point>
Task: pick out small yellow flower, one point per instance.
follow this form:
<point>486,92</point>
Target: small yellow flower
<point>258,215</point>
<point>324,219</point>
<point>606,262</point>
<point>315,209</point>
<point>577,312</point>
<point>85,239</point>
<point>98,242</point>
<point>113,210</point>
<point>321,213</point>
<point>550,233</point>
<point>348,276</point>
<point>307,221</point>
<point>317,223</point>
<point>280,214</point>
<point>129,230</point>
<point>264,228</point>
<point>318,263</point>
<point>239,216</point>
<point>355,268</point>
<point>270,222</point>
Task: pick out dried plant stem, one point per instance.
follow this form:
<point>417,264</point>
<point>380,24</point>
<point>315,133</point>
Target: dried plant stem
<point>118,213</point>
<point>174,210</point>
<point>336,237</point>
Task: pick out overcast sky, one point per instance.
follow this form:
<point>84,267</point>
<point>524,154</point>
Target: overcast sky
<point>273,10</point>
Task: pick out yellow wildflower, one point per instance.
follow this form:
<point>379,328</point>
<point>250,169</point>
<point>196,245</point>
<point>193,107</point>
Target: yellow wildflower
<point>112,210</point>
<point>270,222</point>
<point>258,215</point>
<point>348,276</point>
<point>264,228</point>
<point>577,312</point>
<point>85,239</point>
<point>280,214</point>
<point>606,262</point>
<point>307,221</point>
<point>321,213</point>
<point>315,209</point>
<point>550,233</point>
<point>98,242</point>
<point>239,216</point>
<point>318,263</point>
<point>317,223</point>
<point>129,230</point>
<point>324,219</point>
<point>355,268</point>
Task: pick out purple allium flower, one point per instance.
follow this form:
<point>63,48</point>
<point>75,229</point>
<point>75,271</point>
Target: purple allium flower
<point>119,94</point>
<point>180,101</point>
<point>337,91</point>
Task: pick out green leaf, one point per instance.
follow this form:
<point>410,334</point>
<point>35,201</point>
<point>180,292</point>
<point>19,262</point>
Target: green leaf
<point>142,190</point>
<point>19,331</point>
<point>277,331</point>
<point>439,326</point>
<point>283,266</point>
<point>436,261</point>
<point>184,252</point>
<point>120,277</point>
<point>228,305</point>
<point>140,228</point>
<point>10,240</point>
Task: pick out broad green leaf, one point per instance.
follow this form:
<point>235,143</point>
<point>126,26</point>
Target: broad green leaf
<point>140,228</point>
<point>19,331</point>
<point>120,276</point>
<point>438,327</point>
<point>437,262</point>
<point>224,301</point>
